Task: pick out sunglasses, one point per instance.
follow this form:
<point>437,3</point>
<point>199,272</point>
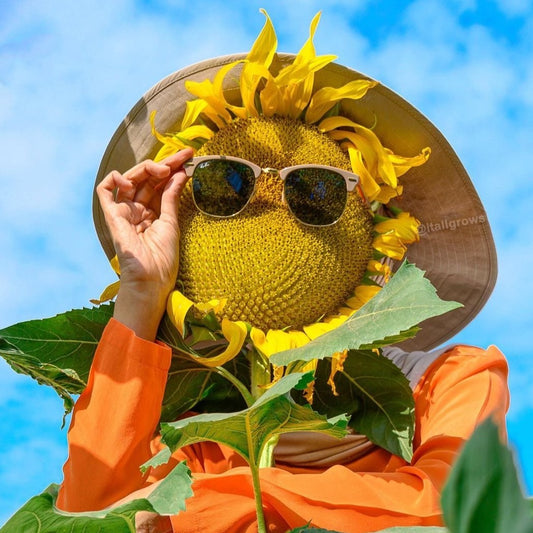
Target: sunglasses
<point>222,186</point>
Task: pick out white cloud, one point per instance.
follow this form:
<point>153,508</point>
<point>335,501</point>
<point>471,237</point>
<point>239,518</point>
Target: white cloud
<point>69,72</point>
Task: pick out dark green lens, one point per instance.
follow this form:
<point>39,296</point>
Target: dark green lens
<point>222,188</point>
<point>316,196</point>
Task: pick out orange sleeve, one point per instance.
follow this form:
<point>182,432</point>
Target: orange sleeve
<point>460,389</point>
<point>114,420</point>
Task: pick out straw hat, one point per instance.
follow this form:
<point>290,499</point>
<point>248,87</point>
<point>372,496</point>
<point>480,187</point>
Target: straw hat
<point>456,247</point>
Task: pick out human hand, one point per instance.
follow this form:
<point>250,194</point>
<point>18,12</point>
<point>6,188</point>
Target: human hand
<point>140,209</point>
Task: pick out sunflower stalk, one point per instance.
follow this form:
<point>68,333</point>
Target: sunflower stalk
<point>239,385</point>
<point>259,373</point>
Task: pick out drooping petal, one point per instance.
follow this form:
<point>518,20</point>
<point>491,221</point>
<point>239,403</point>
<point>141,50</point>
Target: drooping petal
<point>324,99</point>
<point>178,306</point>
<point>115,264</point>
<point>368,153</point>
<point>171,144</point>
<point>337,365</point>
<point>235,333</point>
<point>387,193</point>
<point>309,391</point>
<point>403,164</point>
<point>370,188</point>
<point>107,294</point>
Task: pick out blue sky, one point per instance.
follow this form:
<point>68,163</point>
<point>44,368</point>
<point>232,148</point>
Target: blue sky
<point>70,71</point>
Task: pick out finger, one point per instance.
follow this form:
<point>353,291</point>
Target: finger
<point>146,170</point>
<point>149,192</point>
<point>106,189</point>
<point>175,161</point>
<point>171,195</point>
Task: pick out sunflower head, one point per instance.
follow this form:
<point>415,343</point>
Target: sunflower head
<point>274,273</point>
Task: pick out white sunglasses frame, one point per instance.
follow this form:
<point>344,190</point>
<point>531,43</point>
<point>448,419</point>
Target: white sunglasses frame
<point>351,180</point>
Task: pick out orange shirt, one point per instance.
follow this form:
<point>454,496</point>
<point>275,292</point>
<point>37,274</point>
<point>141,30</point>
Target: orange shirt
<point>116,417</point>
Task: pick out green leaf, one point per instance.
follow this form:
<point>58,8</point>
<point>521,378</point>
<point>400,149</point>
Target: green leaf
<point>39,514</point>
<point>248,431</point>
<point>404,302</point>
<point>483,492</point>
<point>190,382</point>
<point>377,396</point>
<point>56,351</point>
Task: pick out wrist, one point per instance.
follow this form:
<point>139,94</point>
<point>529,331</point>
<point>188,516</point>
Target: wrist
<point>140,306</point>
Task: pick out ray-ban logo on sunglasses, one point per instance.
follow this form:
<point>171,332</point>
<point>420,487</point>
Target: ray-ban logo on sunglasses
<point>316,195</point>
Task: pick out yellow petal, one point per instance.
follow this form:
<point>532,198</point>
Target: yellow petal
<point>277,340</point>
<point>215,305</point>
<point>192,111</point>
<point>324,99</point>
<point>309,391</point>
<point>403,164</point>
<point>387,193</point>
<point>298,338</point>
<point>337,365</point>
<point>370,188</point>
<point>265,45</point>
<point>114,265</point>
<point>271,98</point>
<point>212,92</point>
<point>108,293</point>
<point>251,75</point>
<point>362,294</point>
<point>315,330</point>
<point>403,226</point>
<point>390,245</point>
<point>380,269</point>
<point>235,333</point>
<point>195,132</point>
<point>171,145</point>
<point>178,306</point>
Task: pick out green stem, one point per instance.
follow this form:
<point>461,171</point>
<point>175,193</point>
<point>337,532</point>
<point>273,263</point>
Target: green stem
<point>239,385</point>
<point>259,373</point>
<point>261,526</point>
<point>254,469</point>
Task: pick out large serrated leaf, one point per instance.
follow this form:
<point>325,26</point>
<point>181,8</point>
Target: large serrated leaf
<point>483,492</point>
<point>404,302</point>
<point>39,514</point>
<point>377,396</point>
<point>56,351</point>
<point>248,431</point>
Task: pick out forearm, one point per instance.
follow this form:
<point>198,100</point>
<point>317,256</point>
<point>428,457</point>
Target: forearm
<point>114,421</point>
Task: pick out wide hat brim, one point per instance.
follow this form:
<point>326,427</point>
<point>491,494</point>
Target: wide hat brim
<point>456,248</point>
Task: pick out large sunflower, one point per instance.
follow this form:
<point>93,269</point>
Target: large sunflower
<point>268,279</point>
